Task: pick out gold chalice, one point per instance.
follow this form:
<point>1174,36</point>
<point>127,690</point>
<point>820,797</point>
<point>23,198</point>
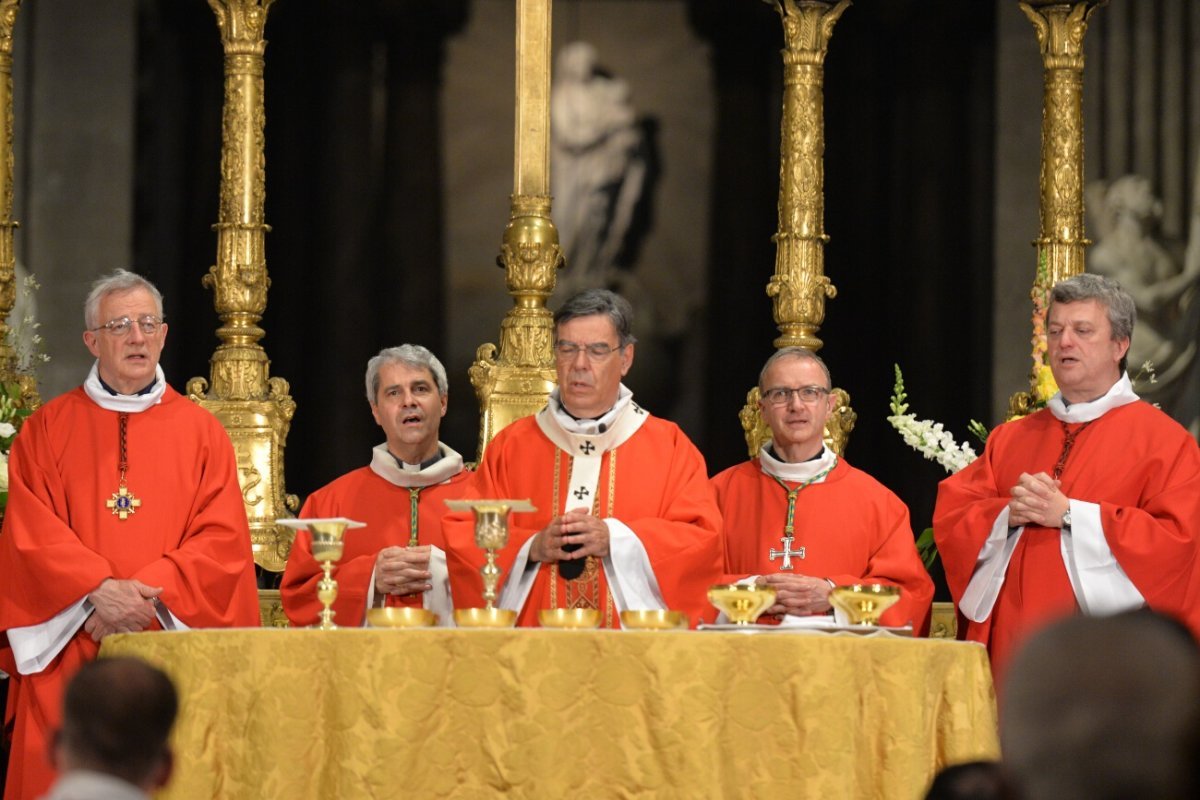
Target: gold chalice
<point>491,534</point>
<point>569,618</point>
<point>327,547</point>
<point>864,603</point>
<point>654,619</point>
<point>401,617</point>
<point>743,603</point>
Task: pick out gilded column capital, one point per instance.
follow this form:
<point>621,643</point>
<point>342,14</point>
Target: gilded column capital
<point>8,21</point>
<point>807,27</point>
<point>1060,27</point>
<point>242,23</point>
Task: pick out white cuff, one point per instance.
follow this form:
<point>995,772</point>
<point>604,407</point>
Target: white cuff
<point>35,646</point>
<point>1101,586</point>
<point>979,598</point>
<point>627,567</point>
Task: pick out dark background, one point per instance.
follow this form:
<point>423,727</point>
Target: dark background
<point>356,259</point>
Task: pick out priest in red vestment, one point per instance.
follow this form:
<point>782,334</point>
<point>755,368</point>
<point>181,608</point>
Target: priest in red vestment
<point>801,519</point>
<point>399,558</point>
<point>1091,505</point>
<point>625,518</point>
<point>124,514</point>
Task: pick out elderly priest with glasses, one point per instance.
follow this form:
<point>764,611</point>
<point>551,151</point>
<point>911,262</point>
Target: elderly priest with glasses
<point>625,518</point>
<point>124,514</point>
<point>801,519</point>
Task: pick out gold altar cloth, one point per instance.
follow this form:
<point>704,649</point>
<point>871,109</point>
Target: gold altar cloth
<point>381,713</point>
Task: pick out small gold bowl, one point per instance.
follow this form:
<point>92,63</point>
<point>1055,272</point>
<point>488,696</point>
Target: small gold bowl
<point>743,603</point>
<point>401,617</point>
<point>569,617</point>
<point>484,617</point>
<point>656,619</point>
<point>864,603</point>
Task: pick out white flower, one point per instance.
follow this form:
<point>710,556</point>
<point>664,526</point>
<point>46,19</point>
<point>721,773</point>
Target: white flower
<point>931,440</point>
<point>7,429</point>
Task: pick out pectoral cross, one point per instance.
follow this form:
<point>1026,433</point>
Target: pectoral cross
<point>123,503</point>
<point>787,552</point>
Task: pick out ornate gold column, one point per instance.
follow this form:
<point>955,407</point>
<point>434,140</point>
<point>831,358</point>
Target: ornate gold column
<point>255,408</point>
<point>1061,244</point>
<point>516,382</point>
<point>9,372</point>
<point>799,287</point>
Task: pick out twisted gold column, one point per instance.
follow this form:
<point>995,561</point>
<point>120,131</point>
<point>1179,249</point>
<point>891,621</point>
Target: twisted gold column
<point>1061,244</point>
<point>255,408</point>
<point>9,372</point>
<point>516,382</point>
<point>800,287</point>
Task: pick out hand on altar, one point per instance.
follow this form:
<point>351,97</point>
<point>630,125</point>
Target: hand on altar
<point>1037,500</point>
<point>121,606</point>
<point>798,594</point>
<point>577,527</point>
<point>402,570</point>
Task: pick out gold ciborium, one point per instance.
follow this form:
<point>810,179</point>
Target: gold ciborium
<point>569,618</point>
<point>491,534</point>
<point>327,548</point>
<point>743,603</point>
<point>864,603</point>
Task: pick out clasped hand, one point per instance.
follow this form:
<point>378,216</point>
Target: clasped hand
<point>1037,500</point>
<point>402,570</point>
<point>576,527</point>
<point>121,606</point>
<point>797,594</point>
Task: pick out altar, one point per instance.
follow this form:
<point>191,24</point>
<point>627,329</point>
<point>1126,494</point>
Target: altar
<point>546,713</point>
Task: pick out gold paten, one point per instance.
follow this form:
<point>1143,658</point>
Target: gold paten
<point>255,409</point>
<point>491,535</point>
<point>655,619</point>
<point>484,617</point>
<point>864,603</point>
<point>571,618</point>
<point>743,603</point>
<point>515,381</point>
<point>800,287</point>
<point>8,260</point>
<point>1061,244</point>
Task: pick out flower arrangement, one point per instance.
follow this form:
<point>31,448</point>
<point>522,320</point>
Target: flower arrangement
<point>15,405</point>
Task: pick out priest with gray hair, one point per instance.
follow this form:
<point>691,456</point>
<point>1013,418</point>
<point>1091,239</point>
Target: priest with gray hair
<point>1090,505</point>
<point>399,558</point>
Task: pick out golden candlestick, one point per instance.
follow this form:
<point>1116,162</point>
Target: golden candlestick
<point>327,548</point>
<point>491,534</point>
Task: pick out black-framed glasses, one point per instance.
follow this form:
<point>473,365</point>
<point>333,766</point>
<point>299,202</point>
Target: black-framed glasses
<point>596,351</point>
<point>782,395</point>
<point>119,327</point>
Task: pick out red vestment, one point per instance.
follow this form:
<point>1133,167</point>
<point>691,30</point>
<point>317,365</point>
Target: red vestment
<point>1139,465</point>
<point>852,528</point>
<point>386,509</point>
<point>59,541</point>
<point>660,490</point>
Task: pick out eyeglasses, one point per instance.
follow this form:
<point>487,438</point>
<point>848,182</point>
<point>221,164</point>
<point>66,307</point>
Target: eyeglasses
<point>781,395</point>
<point>597,351</point>
<point>120,326</point>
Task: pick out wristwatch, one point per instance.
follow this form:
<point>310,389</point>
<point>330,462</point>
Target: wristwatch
<point>1066,518</point>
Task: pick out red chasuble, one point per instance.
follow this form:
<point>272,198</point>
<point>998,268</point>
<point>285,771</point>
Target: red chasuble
<point>386,509</point>
<point>60,541</point>
<point>655,483</point>
<point>852,529</point>
<point>1139,465</point>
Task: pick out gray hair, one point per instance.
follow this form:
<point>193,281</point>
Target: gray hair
<point>119,282</point>
<point>794,352</point>
<point>599,301</point>
<point>411,355</point>
<point>1122,313</point>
